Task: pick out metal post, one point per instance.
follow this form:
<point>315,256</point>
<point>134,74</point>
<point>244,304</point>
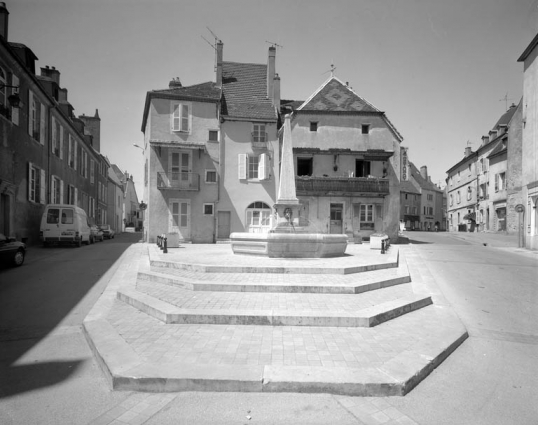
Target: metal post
<point>382,246</point>
<point>165,250</point>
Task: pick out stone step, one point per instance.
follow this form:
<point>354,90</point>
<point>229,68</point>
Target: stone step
<point>388,360</point>
<point>271,282</point>
<point>212,259</point>
<point>178,306</point>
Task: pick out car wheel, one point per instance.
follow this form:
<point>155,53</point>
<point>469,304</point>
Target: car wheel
<point>18,259</point>
<point>92,241</point>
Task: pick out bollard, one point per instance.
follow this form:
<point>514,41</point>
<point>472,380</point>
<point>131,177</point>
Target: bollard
<point>383,246</point>
<point>165,250</point>
<point>159,241</point>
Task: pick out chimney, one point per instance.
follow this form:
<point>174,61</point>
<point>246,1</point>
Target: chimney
<point>485,140</point>
<point>492,134</point>
<point>276,92</point>
<point>220,48</point>
<point>62,96</point>
<point>51,73</point>
<point>270,71</point>
<point>468,151</point>
<point>424,172</point>
<point>4,20</point>
<point>92,126</point>
<point>175,83</point>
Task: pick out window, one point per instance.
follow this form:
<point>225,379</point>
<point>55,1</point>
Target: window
<point>210,176</point>
<point>458,197</point>
<point>407,209</point>
<point>84,165</point>
<point>451,199</point>
<point>213,136</point>
<point>92,207</point>
<point>429,197</point>
<point>469,193</point>
<point>208,209</point>
<point>36,184</point>
<point>415,210</point>
<point>362,168</point>
<point>366,216</point>
<point>258,133</point>
<point>365,128</point>
<point>71,153</point>
<point>71,195</point>
<point>57,188</point>
<point>254,166</point>
<point>459,176</point>
<point>92,171</point>
<point>469,169</point>
<point>313,126</point>
<point>3,90</point>
<point>57,138</point>
<point>181,117</point>
<point>37,118</point>
<point>258,217</point>
<point>499,182</point>
<point>304,166</point>
<point>406,196</point>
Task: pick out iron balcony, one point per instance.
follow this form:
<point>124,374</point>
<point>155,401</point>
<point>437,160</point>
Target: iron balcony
<point>178,181</point>
<point>321,186</point>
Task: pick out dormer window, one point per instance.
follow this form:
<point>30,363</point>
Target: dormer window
<point>313,126</point>
<point>365,129</point>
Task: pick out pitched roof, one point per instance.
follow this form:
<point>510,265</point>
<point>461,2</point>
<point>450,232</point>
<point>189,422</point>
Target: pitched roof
<point>529,49</point>
<point>408,187</point>
<point>203,91</point>
<point>506,117</point>
<point>421,181</point>
<point>335,96</point>
<point>244,87</point>
<point>499,149</point>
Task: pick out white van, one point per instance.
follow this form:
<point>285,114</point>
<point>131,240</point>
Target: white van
<point>65,224</point>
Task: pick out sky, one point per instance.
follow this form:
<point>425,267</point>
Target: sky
<point>439,69</point>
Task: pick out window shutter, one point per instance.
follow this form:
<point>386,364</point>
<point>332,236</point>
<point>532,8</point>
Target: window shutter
<point>76,197</point>
<point>30,181</point>
<point>42,187</point>
<point>42,131</point>
<point>15,111</point>
<point>263,167</point>
<point>75,148</point>
<point>175,117</point>
<point>242,169</point>
<point>30,113</point>
<point>54,135</point>
<point>61,142</point>
<point>61,192</point>
<point>185,118</point>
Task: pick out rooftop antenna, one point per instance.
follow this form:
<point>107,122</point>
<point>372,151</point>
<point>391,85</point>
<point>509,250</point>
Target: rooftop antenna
<point>506,99</point>
<point>333,68</point>
<point>214,45</point>
<point>274,44</point>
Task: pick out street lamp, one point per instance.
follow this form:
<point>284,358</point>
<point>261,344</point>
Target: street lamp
<point>14,99</point>
<point>139,147</point>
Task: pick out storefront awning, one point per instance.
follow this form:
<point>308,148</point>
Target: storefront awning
<point>177,144</point>
<point>470,216</point>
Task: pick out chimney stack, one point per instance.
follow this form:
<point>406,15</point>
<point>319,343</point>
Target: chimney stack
<point>51,73</point>
<point>220,48</point>
<point>276,92</point>
<point>424,172</point>
<point>4,21</point>
<point>271,71</point>
<point>485,140</point>
<point>175,83</point>
<point>492,134</point>
<point>468,151</point>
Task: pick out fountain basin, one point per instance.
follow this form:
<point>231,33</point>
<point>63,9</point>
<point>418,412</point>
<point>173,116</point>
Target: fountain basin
<point>289,245</point>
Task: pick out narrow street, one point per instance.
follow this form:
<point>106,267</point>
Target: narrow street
<point>49,375</point>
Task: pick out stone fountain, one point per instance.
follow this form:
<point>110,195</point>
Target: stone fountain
<point>286,239</point>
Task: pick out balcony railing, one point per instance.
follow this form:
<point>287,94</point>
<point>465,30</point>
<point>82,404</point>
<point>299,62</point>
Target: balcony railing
<point>178,181</point>
<point>341,185</point>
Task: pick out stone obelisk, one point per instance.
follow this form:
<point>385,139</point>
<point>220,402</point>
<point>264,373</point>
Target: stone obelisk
<point>287,205</point>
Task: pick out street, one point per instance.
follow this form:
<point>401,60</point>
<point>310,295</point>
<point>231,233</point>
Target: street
<point>48,373</point>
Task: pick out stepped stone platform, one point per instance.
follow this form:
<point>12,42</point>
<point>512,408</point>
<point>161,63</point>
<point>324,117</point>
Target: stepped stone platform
<point>200,318</point>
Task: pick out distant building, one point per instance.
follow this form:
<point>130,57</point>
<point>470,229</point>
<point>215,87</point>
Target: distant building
<point>529,150</point>
<point>131,206</point>
<point>115,197</point>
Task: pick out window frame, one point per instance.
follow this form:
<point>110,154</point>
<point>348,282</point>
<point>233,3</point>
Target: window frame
<point>179,120</point>
<point>208,204</point>
<point>207,173</point>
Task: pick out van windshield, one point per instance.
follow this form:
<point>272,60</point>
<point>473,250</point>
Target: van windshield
<point>53,216</point>
<point>67,216</point>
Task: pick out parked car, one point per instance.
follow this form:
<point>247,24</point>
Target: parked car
<point>12,252</point>
<point>96,234</point>
<point>108,232</point>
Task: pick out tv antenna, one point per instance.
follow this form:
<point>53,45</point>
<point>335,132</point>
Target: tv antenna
<point>333,68</point>
<point>213,45</point>
<point>506,99</point>
<point>274,44</point>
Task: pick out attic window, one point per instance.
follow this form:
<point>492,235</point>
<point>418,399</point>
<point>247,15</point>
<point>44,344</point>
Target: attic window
<point>313,126</point>
<point>365,128</point>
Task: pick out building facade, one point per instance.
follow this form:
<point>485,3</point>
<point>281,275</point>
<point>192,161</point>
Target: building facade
<point>47,154</point>
<point>431,201</point>
<point>529,149</point>
<point>347,163</point>
<point>115,196</point>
